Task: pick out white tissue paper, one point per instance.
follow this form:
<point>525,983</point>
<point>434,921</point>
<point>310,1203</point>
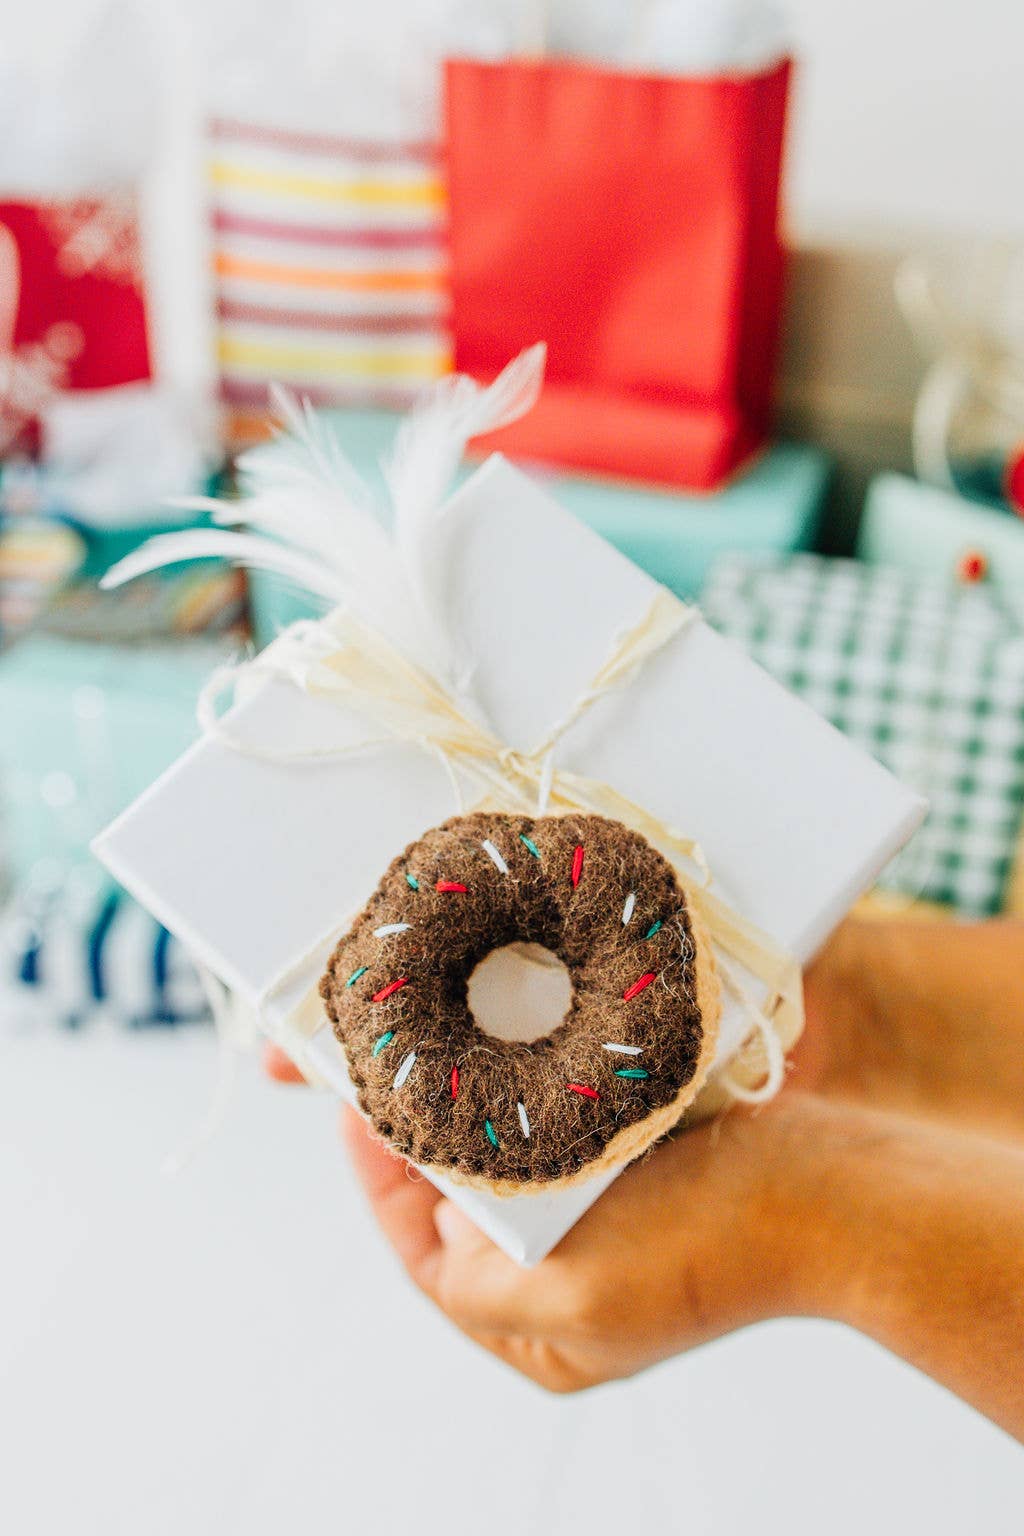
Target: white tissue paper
<point>78,113</point>
<point>375,72</point>
<point>114,457</point>
<point>681,37</point>
<point>359,72</point>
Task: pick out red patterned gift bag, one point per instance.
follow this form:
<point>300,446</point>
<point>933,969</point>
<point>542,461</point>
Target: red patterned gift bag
<point>72,306</point>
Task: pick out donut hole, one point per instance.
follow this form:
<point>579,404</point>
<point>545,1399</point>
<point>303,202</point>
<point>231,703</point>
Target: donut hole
<point>519,991</point>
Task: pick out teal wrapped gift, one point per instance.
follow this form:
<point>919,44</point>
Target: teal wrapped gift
<point>86,726</point>
<point>774,507</point>
<point>937,533</point>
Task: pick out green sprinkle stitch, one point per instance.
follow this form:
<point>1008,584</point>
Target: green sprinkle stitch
<point>411,880</point>
<point>530,845</point>
<point>652,930</point>
<point>356,975</point>
<point>636,1072</point>
<point>492,1135</point>
<point>383,1040</point>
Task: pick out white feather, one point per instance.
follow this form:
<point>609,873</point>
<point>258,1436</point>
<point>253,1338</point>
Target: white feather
<point>213,544</point>
<point>314,522</point>
<point>304,490</point>
<point>425,457</point>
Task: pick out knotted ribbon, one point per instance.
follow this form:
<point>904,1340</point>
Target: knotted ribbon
<point>345,660</point>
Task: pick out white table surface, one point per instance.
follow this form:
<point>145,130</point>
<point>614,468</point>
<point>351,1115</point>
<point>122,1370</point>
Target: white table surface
<point>234,1350</point>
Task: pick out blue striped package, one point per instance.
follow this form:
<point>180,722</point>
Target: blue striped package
<point>73,958</point>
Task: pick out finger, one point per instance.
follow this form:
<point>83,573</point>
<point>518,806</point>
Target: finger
<point>401,1199</point>
<point>279,1066</point>
<point>410,1215</point>
<point>483,1290</point>
<point>540,1362</point>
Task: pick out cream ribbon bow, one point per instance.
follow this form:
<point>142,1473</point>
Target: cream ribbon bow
<point>344,659</point>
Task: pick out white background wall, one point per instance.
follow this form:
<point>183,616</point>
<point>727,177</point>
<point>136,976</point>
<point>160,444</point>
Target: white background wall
<point>909,114</point>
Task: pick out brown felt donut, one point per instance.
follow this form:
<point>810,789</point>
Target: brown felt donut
<point>505,1115</point>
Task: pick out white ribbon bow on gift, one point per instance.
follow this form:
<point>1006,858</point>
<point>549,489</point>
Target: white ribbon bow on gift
<point>341,551</point>
<point>971,351</point>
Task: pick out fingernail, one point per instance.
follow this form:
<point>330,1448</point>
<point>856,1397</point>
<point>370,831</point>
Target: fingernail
<point>450,1223</point>
<point>279,1066</point>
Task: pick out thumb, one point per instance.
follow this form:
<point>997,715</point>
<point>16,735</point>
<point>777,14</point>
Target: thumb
<point>460,1237</point>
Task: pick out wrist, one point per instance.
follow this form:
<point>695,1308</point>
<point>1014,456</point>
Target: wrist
<point>820,1206</point>
<point>785,1201</point>
<point>868,997</point>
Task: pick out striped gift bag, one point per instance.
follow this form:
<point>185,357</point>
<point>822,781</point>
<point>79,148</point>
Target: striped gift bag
<point>330,269</point>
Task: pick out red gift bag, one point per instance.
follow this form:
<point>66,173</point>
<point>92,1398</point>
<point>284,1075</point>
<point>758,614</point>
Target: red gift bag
<point>72,305</point>
<point>631,222</point>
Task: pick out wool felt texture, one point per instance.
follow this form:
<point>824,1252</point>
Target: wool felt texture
<point>504,1114</point>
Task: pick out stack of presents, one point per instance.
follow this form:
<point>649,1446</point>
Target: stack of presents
<point>624,209</point>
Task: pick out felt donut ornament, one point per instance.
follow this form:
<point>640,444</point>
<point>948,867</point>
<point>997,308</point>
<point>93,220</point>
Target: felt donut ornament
<point>509,1115</point>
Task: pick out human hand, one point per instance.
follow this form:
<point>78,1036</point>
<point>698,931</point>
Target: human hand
<point>812,1206</point>
<point>705,1234</point>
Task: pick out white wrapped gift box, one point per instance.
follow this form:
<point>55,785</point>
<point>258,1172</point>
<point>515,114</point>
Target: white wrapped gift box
<point>253,863</point>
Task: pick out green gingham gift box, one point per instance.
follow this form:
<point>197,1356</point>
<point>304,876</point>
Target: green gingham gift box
<point>927,677</point>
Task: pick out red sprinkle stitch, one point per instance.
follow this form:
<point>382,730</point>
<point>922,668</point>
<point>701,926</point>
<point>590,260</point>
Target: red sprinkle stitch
<point>638,986</point>
<point>577,865</point>
<point>455,1082</point>
<point>588,1093</point>
<point>450,885</point>
<point>392,986</point>
<point>972,566</point>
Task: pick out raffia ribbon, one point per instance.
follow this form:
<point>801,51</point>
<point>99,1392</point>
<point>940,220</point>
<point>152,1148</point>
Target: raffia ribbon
<point>343,659</point>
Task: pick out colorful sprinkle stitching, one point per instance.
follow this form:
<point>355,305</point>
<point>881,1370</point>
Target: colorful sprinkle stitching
<point>638,986</point>
<point>524,1120</point>
<point>405,1069</point>
<point>577,865</point>
<point>451,885</point>
<point>529,845</point>
<point>385,992</point>
<point>622,1050</point>
<point>356,975</point>
<point>492,1135</point>
<point>627,910</point>
<point>412,882</point>
<point>636,1072</point>
<point>455,1082</point>
<point>494,856</point>
<point>388,928</point>
<point>381,1041</point>
<point>652,930</point>
<point>588,1093</point>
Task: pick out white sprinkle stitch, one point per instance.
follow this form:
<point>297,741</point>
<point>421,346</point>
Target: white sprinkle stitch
<point>627,911</point>
<point>523,1120</point>
<point>623,1050</point>
<point>405,1069</point>
<point>389,928</point>
<point>494,856</point>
